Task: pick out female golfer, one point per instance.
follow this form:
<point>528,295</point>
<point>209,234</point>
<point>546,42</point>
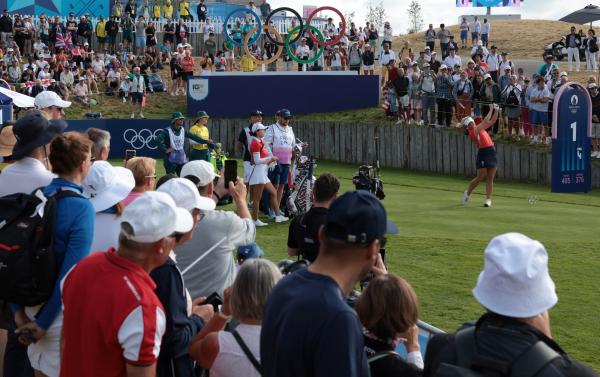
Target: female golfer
<point>486,155</point>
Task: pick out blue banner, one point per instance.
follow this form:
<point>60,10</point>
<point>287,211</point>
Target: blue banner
<point>235,95</point>
<point>571,132</point>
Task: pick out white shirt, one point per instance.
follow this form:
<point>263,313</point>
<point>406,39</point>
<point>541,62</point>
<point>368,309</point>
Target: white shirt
<point>97,66</point>
<point>492,60</point>
<point>184,45</point>
<point>207,29</point>
<point>336,59</point>
<point>485,28</point>
<point>112,75</point>
<point>475,27</point>
<point>474,50</point>
<point>387,34</point>
<point>451,61</point>
<point>503,65</point>
<point>106,232</point>
<point>302,51</point>
<point>385,58</point>
<point>24,176</point>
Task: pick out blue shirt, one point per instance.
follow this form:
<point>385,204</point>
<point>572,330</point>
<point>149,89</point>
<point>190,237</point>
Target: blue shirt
<point>309,330</point>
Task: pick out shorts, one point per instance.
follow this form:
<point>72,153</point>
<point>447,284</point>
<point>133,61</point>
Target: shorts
<point>127,36</point>
<point>279,175</point>
<point>45,354</point>
<point>112,39</point>
<point>101,40</point>
<point>404,100</point>
<point>538,117</point>
<point>247,171</point>
<point>140,41</point>
<point>463,34</point>
<point>258,175</point>
<point>416,103</point>
<point>229,55</point>
<point>486,158</point>
<point>137,97</point>
<point>474,35</point>
<point>369,67</point>
<point>186,75</point>
<point>484,37</point>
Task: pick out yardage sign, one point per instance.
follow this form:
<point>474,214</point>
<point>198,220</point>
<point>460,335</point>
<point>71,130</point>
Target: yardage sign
<point>571,132</point>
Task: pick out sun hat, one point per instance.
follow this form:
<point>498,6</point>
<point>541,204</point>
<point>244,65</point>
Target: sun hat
<point>203,114</point>
<point>592,85</point>
<point>7,141</point>
<point>204,171</point>
<point>106,185</point>
<point>357,217</point>
<point>32,131</point>
<point>186,195</point>
<point>258,127</point>
<point>49,98</point>
<point>176,116</point>
<point>154,216</point>
<point>487,76</point>
<point>515,281</point>
<point>443,66</point>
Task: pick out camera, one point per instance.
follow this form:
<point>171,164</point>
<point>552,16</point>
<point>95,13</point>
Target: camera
<point>368,179</point>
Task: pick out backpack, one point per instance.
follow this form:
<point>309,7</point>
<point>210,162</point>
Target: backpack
<point>593,45</point>
<point>28,270</point>
<point>470,364</point>
<point>512,100</point>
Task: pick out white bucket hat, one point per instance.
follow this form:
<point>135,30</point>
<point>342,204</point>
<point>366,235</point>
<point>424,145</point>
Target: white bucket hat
<point>186,195</point>
<point>515,281</point>
<point>106,185</point>
<point>154,216</point>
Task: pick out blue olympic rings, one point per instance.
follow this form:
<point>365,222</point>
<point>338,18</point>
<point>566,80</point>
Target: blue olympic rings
<point>256,36</point>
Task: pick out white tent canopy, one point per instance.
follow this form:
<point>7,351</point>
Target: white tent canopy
<point>19,100</point>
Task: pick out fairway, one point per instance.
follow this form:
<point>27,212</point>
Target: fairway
<point>440,246</point>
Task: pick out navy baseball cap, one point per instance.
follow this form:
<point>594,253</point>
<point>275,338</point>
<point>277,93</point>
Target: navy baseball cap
<point>285,113</point>
<point>256,113</point>
<point>250,251</point>
<point>358,217</point>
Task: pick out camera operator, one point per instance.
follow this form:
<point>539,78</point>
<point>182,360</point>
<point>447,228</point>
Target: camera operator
<point>303,236</point>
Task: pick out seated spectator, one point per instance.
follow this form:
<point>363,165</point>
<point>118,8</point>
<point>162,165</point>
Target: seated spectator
<point>14,72</point>
<point>144,173</point>
<point>37,88</point>
<point>155,82</point>
<point>237,353</point>
<point>81,91</point>
<point>247,252</point>
<point>389,311</point>
<point>97,66</point>
<point>45,73</point>
<point>91,79</point>
<point>125,88</point>
<point>113,80</point>
<point>517,292</point>
<point>106,186</point>
<point>303,235</point>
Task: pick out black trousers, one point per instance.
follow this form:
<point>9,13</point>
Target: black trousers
<point>444,112</point>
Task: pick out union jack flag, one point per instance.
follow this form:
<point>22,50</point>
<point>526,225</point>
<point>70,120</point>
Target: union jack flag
<point>65,42</point>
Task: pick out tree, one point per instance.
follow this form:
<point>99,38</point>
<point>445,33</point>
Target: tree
<point>415,17</point>
<point>376,14</point>
<point>349,16</point>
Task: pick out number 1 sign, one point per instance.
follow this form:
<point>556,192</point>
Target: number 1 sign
<point>571,132</point>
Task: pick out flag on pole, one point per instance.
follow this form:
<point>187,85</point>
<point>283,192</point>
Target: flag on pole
<point>64,42</point>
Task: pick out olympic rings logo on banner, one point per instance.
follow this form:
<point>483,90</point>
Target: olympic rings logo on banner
<point>250,32</point>
<point>139,139</point>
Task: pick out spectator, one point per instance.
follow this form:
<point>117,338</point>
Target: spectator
<point>184,10</point>
<point>112,29</point>
<point>517,291</point>
<point>443,93</point>
<point>51,105</point>
<point>307,324</point>
<point>591,61</point>
<point>181,31</point>
<point>140,35</point>
<point>505,79</point>
<point>368,60</point>
<point>6,26</point>
<point>444,37</point>
<point>355,57</point>
<point>302,52</point>
<point>538,110</point>
<point>387,34</point>
<point>207,29</point>
<point>137,91</point>
<point>187,68</point>
<point>37,88</point>
<point>479,49</point>
<point>572,43</point>
<point>144,174</point>
<point>81,91</point>
<point>384,59</point>
<point>265,9</point>
<point>125,88</point>
<point>434,64</point>
<point>14,72</point>
<point>131,9</point>
<point>430,37</point>
<point>415,98</point>
<point>206,63</point>
<point>169,34</point>
<point>401,85</point>
<point>485,32</point>
<point>428,82</point>
<point>452,59</point>
<point>150,37</point>
<point>489,94</point>
<point>101,143</point>
<point>127,26</point>
<point>70,158</point>
<point>475,31</point>
<point>106,187</point>
<point>493,61</point>
<point>464,32</point>
<point>463,93</point>
<point>303,235</point>
<point>389,311</point>
<point>83,31</point>
<point>238,353</point>
<point>112,295</point>
<point>210,45</point>
<point>219,233</point>
<point>511,96</point>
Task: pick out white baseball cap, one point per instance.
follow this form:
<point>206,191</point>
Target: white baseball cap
<point>49,98</point>
<point>154,216</point>
<point>443,66</point>
<point>467,120</point>
<point>258,127</point>
<point>203,170</point>
<point>515,281</point>
<point>106,185</point>
<point>186,195</point>
<point>592,85</point>
<point>564,74</point>
<point>487,76</point>
<point>480,43</point>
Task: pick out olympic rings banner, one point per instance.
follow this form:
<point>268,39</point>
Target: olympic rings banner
<point>137,134</point>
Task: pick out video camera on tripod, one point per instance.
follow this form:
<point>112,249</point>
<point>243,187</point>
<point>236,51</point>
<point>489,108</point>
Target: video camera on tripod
<point>368,177</point>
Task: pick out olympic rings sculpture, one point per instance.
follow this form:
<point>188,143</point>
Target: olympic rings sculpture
<point>139,139</point>
<point>250,37</point>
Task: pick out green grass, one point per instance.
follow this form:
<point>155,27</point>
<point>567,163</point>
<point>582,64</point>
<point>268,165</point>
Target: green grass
<point>440,247</point>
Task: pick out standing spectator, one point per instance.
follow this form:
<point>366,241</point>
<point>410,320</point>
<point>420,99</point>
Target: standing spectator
<point>430,37</point>
<point>373,37</point>
<point>504,63</point>
<point>112,295</point>
<point>546,69</point>
<point>265,9</point>
<point>385,57</point>
<point>101,34</point>
<point>525,105</point>
<point>301,326</point>
<point>517,292</point>
<point>489,94</point>
<point>493,61</point>
<point>463,93</point>
<point>302,52</point>
<point>538,110</point>
<point>511,96</point>
<point>210,46</point>
<point>336,59</point>
<point>443,92</point>
<point>184,10</point>
<point>6,27</point>
<point>151,37</point>
<point>485,32</point>
<point>56,27</point>
<point>401,85</point>
<point>573,41</point>
<point>131,9</point>
<point>127,26</point>
<point>415,98</point>
<point>464,32</point>
<point>168,10</point>
<point>368,60</point>
<point>29,33</point>
<point>434,64</point>
<point>452,60</point>
<point>187,68</point>
<point>169,35</point>
<point>444,37</point>
<point>355,57</point>
<point>428,82</point>
<point>156,11</point>
<point>112,29</point>
<point>137,91</point>
<point>202,11</point>
<point>82,31</point>
<point>591,50</point>
<point>207,28</point>
<point>117,10</point>
<point>181,31</point>
<point>44,32</point>
<point>505,79</point>
<point>140,35</point>
<point>237,353</point>
<point>280,142</point>
<point>475,30</point>
<point>387,34</point>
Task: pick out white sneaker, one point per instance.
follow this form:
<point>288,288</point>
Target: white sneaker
<point>124,100</point>
<point>487,203</point>
<point>465,198</point>
<point>260,223</point>
<point>281,219</point>
<point>548,140</point>
<point>142,115</point>
<point>132,116</point>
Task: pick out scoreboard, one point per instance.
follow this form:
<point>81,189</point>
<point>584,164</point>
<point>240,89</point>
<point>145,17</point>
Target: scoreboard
<point>488,3</point>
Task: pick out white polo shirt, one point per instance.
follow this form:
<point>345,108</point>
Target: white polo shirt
<point>24,176</point>
<point>475,27</point>
<point>485,28</point>
<point>385,58</point>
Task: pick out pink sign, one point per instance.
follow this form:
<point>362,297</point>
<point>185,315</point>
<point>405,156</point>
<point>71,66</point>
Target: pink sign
<point>307,10</point>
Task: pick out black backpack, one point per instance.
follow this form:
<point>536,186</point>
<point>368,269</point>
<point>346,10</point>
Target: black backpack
<point>28,270</point>
<point>512,100</point>
<point>471,364</point>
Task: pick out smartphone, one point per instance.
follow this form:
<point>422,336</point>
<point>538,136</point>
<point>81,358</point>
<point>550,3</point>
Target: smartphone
<point>215,300</point>
<point>231,173</point>
<point>382,252</point>
<point>129,154</point>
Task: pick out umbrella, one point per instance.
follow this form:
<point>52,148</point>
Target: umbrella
<point>590,13</point>
<point>19,100</point>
